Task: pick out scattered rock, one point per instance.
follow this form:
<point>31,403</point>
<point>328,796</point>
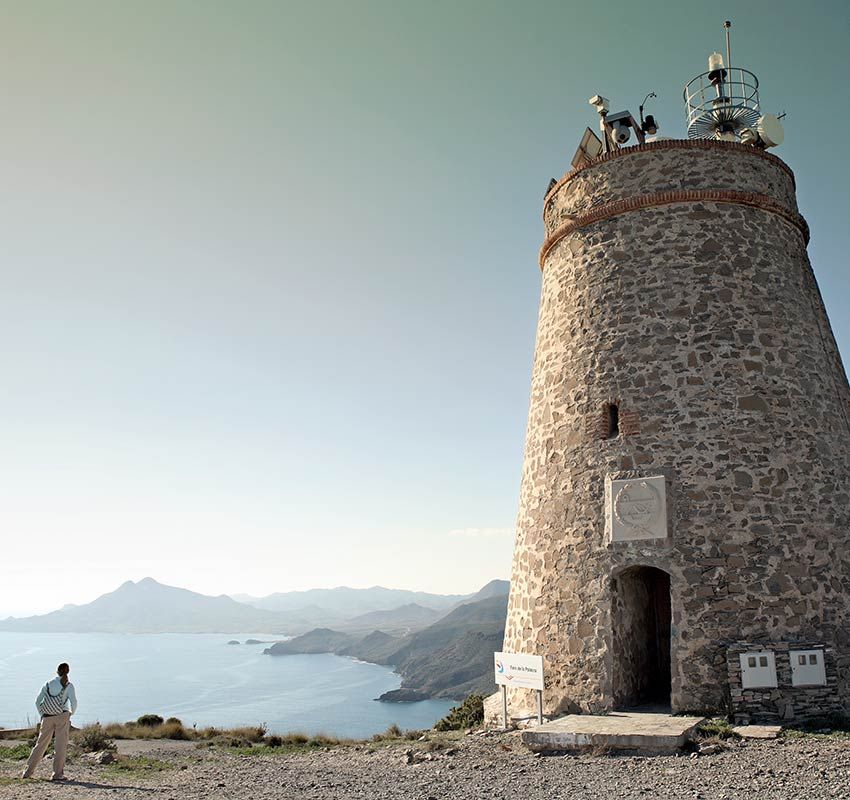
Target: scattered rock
<point>474,767</point>
<point>101,757</point>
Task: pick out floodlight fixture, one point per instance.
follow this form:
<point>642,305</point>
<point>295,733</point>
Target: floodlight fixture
<point>600,103</point>
<point>648,124</point>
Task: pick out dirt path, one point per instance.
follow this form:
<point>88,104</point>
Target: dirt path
<point>495,768</point>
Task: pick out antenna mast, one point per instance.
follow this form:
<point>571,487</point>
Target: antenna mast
<point>727,25</point>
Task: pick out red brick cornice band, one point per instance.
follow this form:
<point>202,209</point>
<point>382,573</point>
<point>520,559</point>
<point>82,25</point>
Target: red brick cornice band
<point>618,207</point>
<point>671,144</point>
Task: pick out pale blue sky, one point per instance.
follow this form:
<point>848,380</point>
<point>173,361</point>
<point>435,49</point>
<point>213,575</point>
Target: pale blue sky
<point>270,270</point>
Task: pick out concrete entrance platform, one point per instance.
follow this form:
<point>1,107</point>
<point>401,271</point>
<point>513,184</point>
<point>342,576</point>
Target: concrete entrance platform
<point>621,731</point>
<point>758,731</point>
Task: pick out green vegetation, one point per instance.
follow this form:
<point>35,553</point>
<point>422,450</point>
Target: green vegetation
<point>834,726</point>
<point>19,752</point>
<point>290,743</point>
<point>301,742</point>
<point>152,726</point>
<point>161,730</point>
<point>137,765</point>
<point>717,728</point>
<point>468,714</point>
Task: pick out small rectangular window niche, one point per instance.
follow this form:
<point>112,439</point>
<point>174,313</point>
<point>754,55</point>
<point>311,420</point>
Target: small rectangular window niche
<point>613,411</point>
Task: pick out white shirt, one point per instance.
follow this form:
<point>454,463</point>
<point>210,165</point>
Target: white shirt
<point>55,687</point>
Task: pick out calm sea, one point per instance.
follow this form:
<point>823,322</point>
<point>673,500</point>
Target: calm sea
<point>205,681</point>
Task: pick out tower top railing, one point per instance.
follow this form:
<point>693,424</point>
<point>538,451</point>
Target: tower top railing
<point>721,107</point>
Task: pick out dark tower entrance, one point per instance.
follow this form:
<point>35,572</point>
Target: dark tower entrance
<point>641,637</point>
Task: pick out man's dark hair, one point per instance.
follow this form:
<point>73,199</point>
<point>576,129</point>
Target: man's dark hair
<point>63,669</point>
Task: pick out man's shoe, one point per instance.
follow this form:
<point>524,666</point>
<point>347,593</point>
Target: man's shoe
<point>59,778</point>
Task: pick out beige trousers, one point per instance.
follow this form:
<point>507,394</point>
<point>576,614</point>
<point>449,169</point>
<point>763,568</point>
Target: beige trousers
<point>58,726</point>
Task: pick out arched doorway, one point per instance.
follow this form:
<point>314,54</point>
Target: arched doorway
<point>641,637</point>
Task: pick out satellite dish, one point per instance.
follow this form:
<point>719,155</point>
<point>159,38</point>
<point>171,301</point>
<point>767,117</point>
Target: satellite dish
<point>589,148</point>
<point>770,130</point>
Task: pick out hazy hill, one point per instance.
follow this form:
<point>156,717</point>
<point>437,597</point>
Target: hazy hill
<point>454,656</point>
<point>399,620</point>
<point>377,647</point>
<point>320,640</point>
<point>450,658</point>
<point>345,602</point>
<point>495,588</point>
<point>151,607</point>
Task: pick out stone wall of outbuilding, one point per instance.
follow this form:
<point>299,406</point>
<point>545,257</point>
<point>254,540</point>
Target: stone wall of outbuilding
<point>784,703</point>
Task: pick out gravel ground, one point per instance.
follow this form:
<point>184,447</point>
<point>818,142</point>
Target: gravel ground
<point>491,767</point>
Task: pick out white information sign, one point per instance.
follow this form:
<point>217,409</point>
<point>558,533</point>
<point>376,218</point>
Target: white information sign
<point>513,669</point>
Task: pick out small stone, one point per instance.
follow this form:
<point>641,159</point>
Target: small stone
<point>102,757</point>
<point>752,403</point>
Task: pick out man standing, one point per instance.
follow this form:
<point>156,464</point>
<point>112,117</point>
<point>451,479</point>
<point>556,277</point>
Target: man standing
<point>53,703</point>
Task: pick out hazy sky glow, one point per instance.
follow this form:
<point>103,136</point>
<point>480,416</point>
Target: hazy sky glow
<point>270,270</point>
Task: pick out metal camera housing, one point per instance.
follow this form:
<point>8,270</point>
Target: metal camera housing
<point>620,133</point>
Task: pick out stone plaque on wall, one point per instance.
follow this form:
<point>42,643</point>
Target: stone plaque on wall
<point>636,509</point>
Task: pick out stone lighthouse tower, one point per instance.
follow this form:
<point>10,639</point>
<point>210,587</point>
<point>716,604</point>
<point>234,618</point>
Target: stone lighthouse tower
<point>684,518</point>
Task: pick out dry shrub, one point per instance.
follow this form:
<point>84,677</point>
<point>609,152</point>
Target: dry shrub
<point>393,732</point>
<point>253,733</point>
<point>93,738</point>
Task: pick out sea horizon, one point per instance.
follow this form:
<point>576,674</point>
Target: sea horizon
<point>204,681</point>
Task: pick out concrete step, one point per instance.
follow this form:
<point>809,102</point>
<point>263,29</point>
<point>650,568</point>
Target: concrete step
<point>620,731</point>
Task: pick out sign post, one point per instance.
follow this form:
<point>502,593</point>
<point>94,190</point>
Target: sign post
<point>504,706</point>
<point>525,672</point>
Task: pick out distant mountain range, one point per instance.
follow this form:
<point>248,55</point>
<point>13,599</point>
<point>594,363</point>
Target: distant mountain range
<point>452,657</point>
<point>151,607</point>
<point>147,606</point>
<point>344,602</point>
<point>441,645</point>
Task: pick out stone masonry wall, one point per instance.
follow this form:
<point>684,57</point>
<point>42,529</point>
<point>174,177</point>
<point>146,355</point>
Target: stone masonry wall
<point>703,321</point>
<point>784,703</point>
